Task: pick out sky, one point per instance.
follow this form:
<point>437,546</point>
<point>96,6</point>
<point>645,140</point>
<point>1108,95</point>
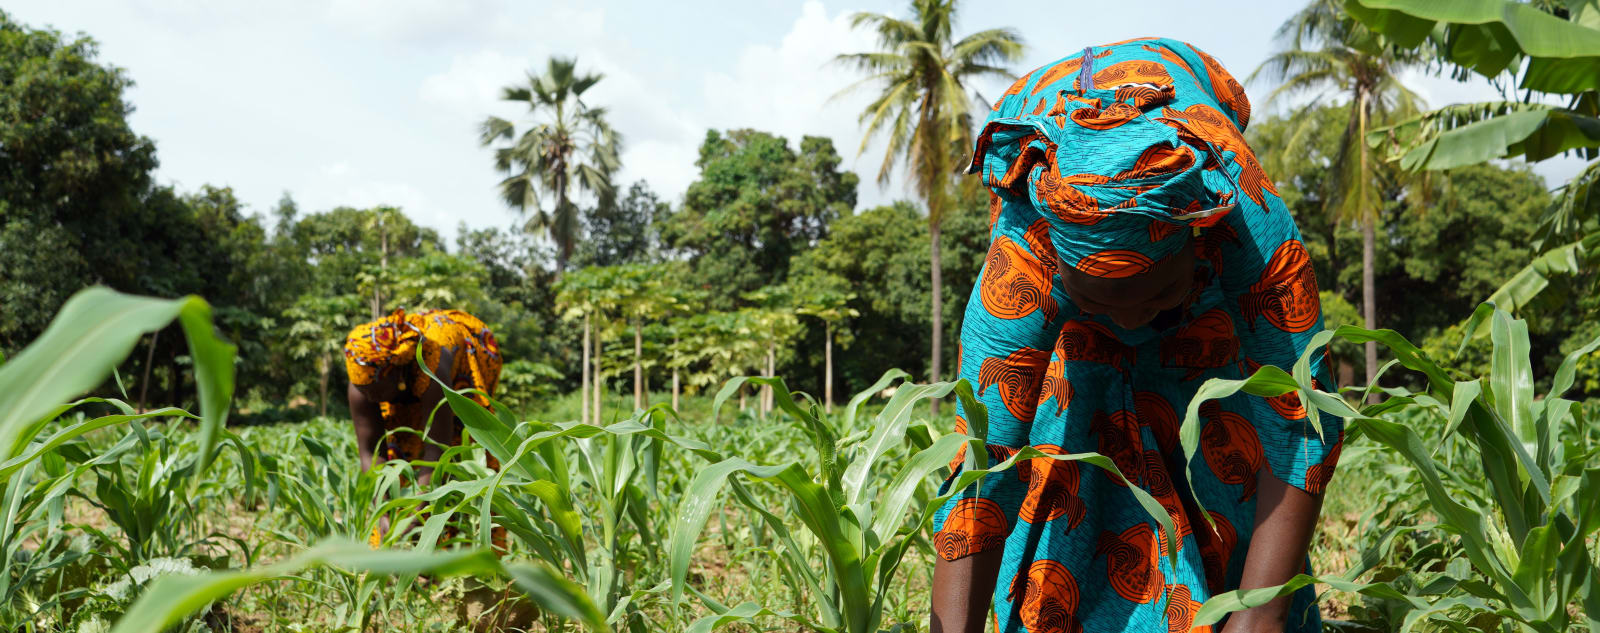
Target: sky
<point>368,102</point>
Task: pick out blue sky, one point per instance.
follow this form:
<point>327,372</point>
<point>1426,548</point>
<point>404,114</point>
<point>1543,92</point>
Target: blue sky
<point>365,102</point>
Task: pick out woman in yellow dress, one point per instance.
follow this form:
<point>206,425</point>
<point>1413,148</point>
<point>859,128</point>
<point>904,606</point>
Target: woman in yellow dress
<point>391,398</point>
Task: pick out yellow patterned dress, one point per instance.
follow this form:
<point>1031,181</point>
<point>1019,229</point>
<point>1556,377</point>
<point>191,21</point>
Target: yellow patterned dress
<point>392,342</point>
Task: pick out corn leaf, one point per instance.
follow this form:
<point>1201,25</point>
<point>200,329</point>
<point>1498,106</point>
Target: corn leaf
<point>94,331</point>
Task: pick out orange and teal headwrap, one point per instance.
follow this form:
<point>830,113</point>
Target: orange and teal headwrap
<point>388,342</point>
<point>1124,149</point>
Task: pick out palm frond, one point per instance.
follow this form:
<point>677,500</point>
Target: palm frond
<point>988,47</point>
<point>494,128</point>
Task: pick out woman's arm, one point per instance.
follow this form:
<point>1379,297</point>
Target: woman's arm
<point>1286,517</point>
<point>442,432</point>
<point>364,414</point>
<point>962,591</point>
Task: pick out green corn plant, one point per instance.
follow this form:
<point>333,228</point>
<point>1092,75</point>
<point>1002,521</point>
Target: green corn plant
<point>1515,537</point>
<point>93,333</point>
<point>588,509</point>
<point>95,329</point>
<point>856,509</point>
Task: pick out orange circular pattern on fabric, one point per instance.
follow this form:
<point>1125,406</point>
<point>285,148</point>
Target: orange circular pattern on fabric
<point>1137,71</point>
<point>1063,199</point>
<point>1106,118</point>
<point>1181,607</point>
<point>1115,264</point>
<point>1014,282</point>
<point>1017,376</point>
<point>1318,476</point>
<point>1133,563</point>
<point>1056,386</point>
<point>1156,413</point>
<point>1286,294</point>
<point>1207,342</point>
<point>974,525</point>
<point>1231,448</point>
<point>1052,488</point>
<point>1216,549</point>
<point>1090,341</point>
<point>1117,437</point>
<point>1046,598</point>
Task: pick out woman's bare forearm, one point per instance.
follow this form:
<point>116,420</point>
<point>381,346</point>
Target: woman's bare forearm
<point>1286,517</point>
<point>368,422</point>
<point>962,592</point>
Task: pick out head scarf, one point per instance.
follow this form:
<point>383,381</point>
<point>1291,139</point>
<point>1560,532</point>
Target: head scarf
<point>388,342</point>
<point>1125,149</point>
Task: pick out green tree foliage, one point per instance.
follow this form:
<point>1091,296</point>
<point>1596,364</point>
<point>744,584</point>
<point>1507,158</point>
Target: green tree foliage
<point>757,204</point>
<point>627,232</point>
<point>72,176</point>
<point>882,254</point>
<point>1549,49</point>
<point>1445,250</point>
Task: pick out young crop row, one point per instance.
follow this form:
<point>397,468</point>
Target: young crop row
<point>141,521</point>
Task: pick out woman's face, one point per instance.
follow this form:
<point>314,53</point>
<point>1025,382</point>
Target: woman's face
<point>1132,302</point>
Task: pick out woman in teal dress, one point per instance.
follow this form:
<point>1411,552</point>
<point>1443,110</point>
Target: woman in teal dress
<point>1137,250</point>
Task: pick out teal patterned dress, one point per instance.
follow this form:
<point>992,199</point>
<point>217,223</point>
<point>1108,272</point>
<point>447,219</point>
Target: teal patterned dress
<point>1108,161</point>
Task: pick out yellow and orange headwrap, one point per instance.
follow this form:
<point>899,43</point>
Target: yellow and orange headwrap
<point>388,342</point>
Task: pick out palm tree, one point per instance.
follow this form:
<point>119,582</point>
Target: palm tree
<point>924,109</point>
<point>566,143</point>
<point>1328,52</point>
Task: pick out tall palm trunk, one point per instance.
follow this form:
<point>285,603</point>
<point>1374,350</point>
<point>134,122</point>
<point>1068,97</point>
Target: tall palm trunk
<point>937,277</point>
<point>772,370</point>
<point>599,379</point>
<point>827,367</point>
<point>583,393</point>
<point>674,376</point>
<point>1369,239</point>
<point>149,358</point>
<point>638,369</point>
<point>383,265</point>
<point>1369,301</point>
<point>323,369</point>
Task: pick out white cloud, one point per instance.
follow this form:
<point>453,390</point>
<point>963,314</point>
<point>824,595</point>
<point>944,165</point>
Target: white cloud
<point>336,169</point>
<point>472,85</point>
<point>374,193</point>
<point>417,21</point>
<point>789,90</point>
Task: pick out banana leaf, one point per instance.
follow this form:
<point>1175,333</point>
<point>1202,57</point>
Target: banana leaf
<point>1489,36</point>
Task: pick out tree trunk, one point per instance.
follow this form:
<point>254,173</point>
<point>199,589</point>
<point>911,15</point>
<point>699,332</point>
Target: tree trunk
<point>383,265</point>
<point>638,368</point>
<point>176,383</point>
<point>324,366</point>
<point>742,391</point>
<point>599,379</point>
<point>583,393</point>
<point>674,378</point>
<point>1369,291</point>
<point>937,277</point>
<point>149,359</point>
<point>827,367</point>
<point>772,370</point>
